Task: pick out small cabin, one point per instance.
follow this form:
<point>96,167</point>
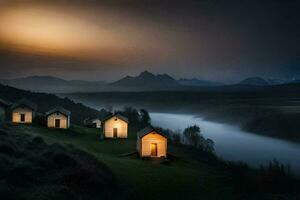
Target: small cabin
<point>58,118</point>
<point>3,110</point>
<point>115,126</point>
<point>93,123</point>
<point>151,143</point>
<point>23,112</point>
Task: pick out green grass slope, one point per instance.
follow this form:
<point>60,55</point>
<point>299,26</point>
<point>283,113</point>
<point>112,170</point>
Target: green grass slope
<point>192,175</point>
<point>32,169</point>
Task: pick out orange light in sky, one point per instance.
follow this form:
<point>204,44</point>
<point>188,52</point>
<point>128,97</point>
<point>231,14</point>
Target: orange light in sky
<point>98,34</point>
<point>50,29</point>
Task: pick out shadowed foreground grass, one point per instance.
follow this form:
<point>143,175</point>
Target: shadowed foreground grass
<point>193,175</point>
<point>32,169</point>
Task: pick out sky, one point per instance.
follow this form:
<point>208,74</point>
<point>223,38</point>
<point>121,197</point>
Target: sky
<point>108,39</point>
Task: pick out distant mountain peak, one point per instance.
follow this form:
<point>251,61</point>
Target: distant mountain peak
<point>255,81</point>
<point>166,77</point>
<point>148,80</point>
<point>146,74</point>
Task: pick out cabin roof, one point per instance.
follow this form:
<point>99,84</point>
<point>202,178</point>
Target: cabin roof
<point>24,102</point>
<point>116,115</point>
<point>91,120</point>
<point>4,103</point>
<point>148,130</point>
<point>60,110</point>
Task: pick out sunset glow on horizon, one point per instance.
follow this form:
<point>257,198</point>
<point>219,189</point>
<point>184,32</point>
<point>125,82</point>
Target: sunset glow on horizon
<point>204,39</point>
<point>72,32</point>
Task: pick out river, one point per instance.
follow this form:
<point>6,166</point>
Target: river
<point>231,143</point>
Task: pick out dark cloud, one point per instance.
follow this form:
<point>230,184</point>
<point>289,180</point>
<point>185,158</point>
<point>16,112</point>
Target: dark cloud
<point>219,40</point>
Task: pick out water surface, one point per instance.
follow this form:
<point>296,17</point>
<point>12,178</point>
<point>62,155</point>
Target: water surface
<point>231,143</point>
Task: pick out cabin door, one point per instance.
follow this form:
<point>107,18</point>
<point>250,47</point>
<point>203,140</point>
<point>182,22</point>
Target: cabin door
<point>153,150</point>
<point>22,118</point>
<point>57,123</point>
<point>115,132</point>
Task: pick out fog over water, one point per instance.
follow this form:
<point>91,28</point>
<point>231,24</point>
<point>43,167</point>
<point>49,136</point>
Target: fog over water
<point>231,143</point>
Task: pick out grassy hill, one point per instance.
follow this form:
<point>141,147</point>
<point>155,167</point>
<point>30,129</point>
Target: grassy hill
<point>32,169</point>
<point>41,163</point>
<point>45,102</point>
<point>192,175</point>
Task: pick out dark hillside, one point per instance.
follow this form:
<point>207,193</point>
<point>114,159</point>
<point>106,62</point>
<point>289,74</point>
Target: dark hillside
<point>32,169</point>
<point>45,102</point>
<point>193,174</point>
<point>52,84</point>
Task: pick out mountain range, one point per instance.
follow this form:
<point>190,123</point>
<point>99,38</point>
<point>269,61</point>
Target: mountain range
<point>145,81</point>
<point>258,81</point>
<point>148,81</point>
<point>52,84</point>
<point>255,81</point>
<point>197,82</point>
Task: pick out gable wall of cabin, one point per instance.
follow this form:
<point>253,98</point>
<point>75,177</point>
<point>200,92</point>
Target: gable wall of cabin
<point>16,115</point>
<point>64,120</point>
<point>110,124</point>
<point>155,138</point>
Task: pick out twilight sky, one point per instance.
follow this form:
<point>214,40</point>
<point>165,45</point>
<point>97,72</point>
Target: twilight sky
<point>107,39</point>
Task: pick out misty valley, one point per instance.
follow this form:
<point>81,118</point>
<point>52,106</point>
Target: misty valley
<point>217,135</point>
<point>239,122</point>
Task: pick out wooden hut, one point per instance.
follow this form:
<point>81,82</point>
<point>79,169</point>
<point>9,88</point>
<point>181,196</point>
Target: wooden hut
<point>115,126</point>
<point>23,112</point>
<point>151,143</point>
<point>58,118</point>
<point>4,105</point>
<point>93,123</point>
